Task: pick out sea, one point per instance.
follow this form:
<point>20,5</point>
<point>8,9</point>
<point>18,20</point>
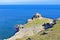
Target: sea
<point>11,15</point>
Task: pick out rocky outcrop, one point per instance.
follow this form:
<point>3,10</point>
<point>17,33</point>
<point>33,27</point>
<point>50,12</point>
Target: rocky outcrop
<point>27,32</point>
<point>37,15</point>
<point>24,32</point>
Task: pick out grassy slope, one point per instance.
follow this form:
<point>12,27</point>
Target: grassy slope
<point>53,34</point>
<point>36,22</point>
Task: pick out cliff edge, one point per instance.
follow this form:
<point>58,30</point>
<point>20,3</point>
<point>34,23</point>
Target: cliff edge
<point>32,27</point>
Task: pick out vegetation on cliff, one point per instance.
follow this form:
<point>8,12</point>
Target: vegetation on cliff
<point>36,22</point>
<point>50,34</point>
<point>35,29</point>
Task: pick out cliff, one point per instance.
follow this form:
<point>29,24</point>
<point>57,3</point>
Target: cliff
<point>49,34</point>
<point>32,27</point>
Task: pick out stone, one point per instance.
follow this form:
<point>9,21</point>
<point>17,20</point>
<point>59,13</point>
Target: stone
<point>58,19</point>
<point>28,39</point>
<point>29,20</point>
<point>37,15</point>
<point>44,33</point>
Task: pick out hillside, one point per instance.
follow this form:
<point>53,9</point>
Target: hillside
<point>51,34</point>
<point>33,29</point>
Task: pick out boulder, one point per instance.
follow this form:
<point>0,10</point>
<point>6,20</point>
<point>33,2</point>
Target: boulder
<point>37,15</point>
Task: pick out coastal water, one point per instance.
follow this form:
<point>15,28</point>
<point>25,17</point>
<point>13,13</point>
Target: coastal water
<point>10,15</point>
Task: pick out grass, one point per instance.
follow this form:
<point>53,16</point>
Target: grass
<point>52,34</point>
<point>36,22</point>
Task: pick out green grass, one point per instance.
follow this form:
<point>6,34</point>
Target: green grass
<point>52,34</point>
<point>36,22</point>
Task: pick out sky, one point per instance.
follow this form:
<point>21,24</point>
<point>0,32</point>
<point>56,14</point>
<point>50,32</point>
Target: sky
<point>7,2</point>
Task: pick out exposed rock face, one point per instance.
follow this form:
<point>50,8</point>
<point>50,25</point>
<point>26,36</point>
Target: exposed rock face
<point>37,15</point>
<point>23,32</point>
<point>48,25</point>
<point>27,32</point>
<point>18,27</point>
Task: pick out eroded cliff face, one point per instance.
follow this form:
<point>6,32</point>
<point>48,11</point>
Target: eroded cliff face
<point>32,27</point>
<point>27,32</point>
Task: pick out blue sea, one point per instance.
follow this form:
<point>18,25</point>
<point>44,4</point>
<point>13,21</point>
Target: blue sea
<point>10,15</point>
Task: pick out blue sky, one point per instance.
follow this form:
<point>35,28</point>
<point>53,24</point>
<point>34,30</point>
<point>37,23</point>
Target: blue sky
<point>3,2</point>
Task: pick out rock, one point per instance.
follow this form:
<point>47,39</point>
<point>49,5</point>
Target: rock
<point>37,15</point>
<point>47,25</point>
<point>29,31</point>
<point>26,32</point>
<point>28,39</point>
<point>58,19</point>
<point>19,26</point>
<point>44,33</point>
<point>29,20</point>
<point>54,22</point>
